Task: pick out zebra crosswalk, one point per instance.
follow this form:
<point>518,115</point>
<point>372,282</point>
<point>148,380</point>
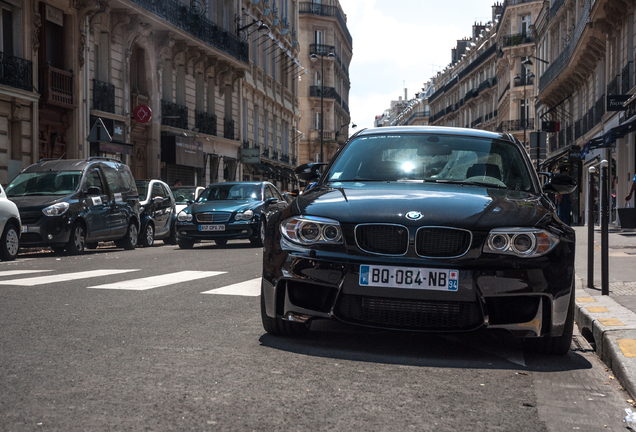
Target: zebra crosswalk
<point>27,278</point>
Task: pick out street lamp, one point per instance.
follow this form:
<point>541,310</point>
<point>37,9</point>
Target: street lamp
<point>518,79</point>
<point>314,57</point>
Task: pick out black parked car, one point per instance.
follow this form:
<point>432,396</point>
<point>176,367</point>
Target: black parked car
<point>74,204</point>
<point>156,212</point>
<point>424,229</point>
<point>228,211</point>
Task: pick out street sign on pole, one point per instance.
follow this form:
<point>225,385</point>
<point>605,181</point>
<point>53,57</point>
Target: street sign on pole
<point>99,133</point>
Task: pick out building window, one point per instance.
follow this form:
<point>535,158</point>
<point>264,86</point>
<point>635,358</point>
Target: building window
<point>167,80</point>
<point>255,125</point>
<point>211,97</point>
<point>101,56</point>
<point>181,84</point>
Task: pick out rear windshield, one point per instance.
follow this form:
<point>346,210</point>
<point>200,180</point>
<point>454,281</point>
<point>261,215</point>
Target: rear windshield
<point>44,183</point>
<point>432,158</point>
<point>142,189</point>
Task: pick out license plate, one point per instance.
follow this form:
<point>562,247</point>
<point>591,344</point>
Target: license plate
<point>409,277</point>
<point>24,228</point>
<point>211,227</point>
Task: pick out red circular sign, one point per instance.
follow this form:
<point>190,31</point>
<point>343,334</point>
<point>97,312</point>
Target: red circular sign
<point>142,113</point>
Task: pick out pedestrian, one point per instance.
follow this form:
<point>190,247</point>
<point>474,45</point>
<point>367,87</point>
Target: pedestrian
<point>177,182</point>
<point>631,190</point>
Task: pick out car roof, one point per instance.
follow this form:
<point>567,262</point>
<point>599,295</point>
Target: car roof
<point>67,164</point>
<point>440,130</point>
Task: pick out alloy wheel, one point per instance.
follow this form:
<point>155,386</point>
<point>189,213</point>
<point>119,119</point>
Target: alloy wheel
<point>13,242</point>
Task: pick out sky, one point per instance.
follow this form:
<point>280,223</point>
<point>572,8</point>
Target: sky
<point>401,44</point>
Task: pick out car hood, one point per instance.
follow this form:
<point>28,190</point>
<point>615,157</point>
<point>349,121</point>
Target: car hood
<point>460,206</point>
<point>37,201</point>
<point>224,206</point>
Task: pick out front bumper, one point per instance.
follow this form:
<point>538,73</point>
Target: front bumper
<point>530,301</point>
<point>231,231</point>
<point>46,231</point>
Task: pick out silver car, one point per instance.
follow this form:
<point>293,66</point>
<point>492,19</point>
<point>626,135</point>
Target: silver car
<point>10,226</point>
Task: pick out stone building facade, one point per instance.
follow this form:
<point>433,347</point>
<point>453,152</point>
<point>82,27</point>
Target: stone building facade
<point>176,83</point>
<point>324,90</point>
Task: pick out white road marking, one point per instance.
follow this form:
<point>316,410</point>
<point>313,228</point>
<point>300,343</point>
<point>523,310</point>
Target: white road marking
<point>251,288</point>
<point>159,281</point>
<point>20,272</point>
<point>65,277</point>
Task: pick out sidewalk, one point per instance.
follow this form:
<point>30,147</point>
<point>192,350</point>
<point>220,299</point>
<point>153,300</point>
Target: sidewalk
<point>609,322</point>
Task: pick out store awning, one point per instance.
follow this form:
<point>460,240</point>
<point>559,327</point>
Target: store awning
<point>609,137</point>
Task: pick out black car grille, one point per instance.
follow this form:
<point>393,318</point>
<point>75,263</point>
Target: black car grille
<point>437,242</point>
<point>408,314</point>
<point>383,239</point>
<point>30,218</point>
<point>30,238</point>
<point>214,217</point>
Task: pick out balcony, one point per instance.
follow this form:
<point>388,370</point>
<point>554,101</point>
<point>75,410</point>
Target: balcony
<point>518,39</point>
<point>612,87</point>
<point>327,92</point>
<point>528,82</point>
<point>323,50</point>
<point>275,155</point>
<point>205,123</point>
<point>174,115</point>
<point>56,87</point>
<point>183,17</point>
<point>516,125</point>
<point>103,96</point>
<point>228,128</point>
<point>16,72</point>
<point>599,109</point>
<point>328,11</point>
<point>284,158</point>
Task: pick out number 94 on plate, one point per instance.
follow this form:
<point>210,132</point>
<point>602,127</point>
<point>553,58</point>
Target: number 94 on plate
<point>409,277</point>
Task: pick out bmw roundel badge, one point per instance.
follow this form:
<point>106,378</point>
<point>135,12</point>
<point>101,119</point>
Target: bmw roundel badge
<point>414,215</point>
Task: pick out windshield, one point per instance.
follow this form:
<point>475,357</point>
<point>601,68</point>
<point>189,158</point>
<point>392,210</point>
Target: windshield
<point>220,192</point>
<point>434,158</point>
<point>183,195</point>
<point>142,189</point>
<point>44,183</point>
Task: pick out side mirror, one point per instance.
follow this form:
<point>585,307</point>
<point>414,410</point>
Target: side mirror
<point>189,202</point>
<point>158,200</point>
<point>559,183</point>
<point>271,200</point>
<point>94,190</point>
<point>310,171</point>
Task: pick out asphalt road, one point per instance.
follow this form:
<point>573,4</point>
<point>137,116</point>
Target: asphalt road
<point>112,340</point>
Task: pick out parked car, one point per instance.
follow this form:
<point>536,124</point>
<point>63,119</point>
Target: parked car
<point>10,227</point>
<point>228,211</point>
<point>185,195</point>
<point>156,212</point>
<point>74,204</point>
<point>424,229</point>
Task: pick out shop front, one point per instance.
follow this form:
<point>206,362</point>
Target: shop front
<point>182,160</point>
<point>567,161</point>
<point>117,148</point>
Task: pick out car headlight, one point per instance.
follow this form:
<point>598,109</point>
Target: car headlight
<point>521,242</point>
<point>56,209</point>
<point>246,215</point>
<point>310,230</point>
<point>184,217</point>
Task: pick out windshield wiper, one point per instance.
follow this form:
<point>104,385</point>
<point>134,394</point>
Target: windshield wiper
<point>473,183</point>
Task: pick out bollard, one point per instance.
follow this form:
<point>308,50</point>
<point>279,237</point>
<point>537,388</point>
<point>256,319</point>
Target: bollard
<point>604,227</point>
<point>590,228</point>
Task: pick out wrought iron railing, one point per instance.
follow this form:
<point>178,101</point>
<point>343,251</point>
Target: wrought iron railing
<point>56,87</point>
<point>174,115</point>
<point>612,87</point>
<point>475,122</point>
<point>327,92</point>
<point>228,128</point>
<point>528,81</point>
<point>198,26</point>
<point>266,152</point>
<point>205,122</point>
<point>518,39</point>
<point>626,77</point>
<point>578,125</point>
<point>275,155</point>
<point>516,125</point>
<point>554,8</point>
<point>284,158</point>
<point>325,10</point>
<point>561,62</point>
<point>16,72</point>
<point>103,96</point>
<point>599,110</point>
<point>479,60</point>
<point>569,134</point>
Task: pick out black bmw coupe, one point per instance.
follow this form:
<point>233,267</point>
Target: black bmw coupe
<point>424,229</point>
<point>228,211</point>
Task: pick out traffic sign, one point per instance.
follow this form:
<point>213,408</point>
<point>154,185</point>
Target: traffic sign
<point>99,133</point>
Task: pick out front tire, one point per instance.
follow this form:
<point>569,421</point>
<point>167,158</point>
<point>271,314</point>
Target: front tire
<point>260,240</point>
<point>77,243</point>
<point>129,241</point>
<point>148,237</point>
<point>277,326</point>
<point>10,243</point>
<point>172,238</point>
